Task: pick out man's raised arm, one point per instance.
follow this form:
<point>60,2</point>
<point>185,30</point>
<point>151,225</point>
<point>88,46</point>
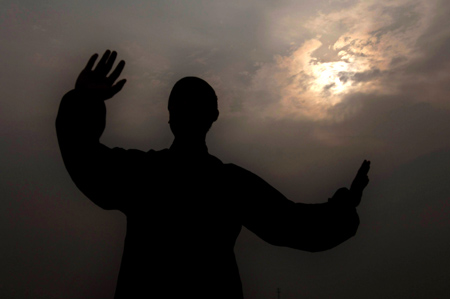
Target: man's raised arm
<point>96,169</point>
<point>309,227</point>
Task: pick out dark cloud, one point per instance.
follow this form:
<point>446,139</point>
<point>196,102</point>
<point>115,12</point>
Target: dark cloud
<point>366,76</point>
<point>433,45</point>
<point>397,60</point>
<point>403,18</point>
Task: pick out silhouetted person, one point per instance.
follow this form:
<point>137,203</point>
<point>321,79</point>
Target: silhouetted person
<point>184,207</point>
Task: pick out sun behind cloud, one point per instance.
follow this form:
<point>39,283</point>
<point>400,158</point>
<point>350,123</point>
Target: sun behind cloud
<point>353,52</point>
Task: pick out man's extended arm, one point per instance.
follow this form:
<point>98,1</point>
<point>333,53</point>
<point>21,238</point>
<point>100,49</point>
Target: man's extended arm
<point>310,227</point>
<point>97,170</point>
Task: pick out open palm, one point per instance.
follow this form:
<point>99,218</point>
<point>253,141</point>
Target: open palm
<point>97,82</point>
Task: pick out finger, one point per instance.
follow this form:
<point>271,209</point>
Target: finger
<point>359,183</point>
<point>364,169</point>
<point>91,62</point>
<point>116,88</point>
<point>361,180</point>
<point>116,73</point>
<point>101,64</point>
<point>110,62</point>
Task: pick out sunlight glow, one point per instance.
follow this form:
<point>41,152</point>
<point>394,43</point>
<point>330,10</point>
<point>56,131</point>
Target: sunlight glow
<point>320,85</point>
<point>327,77</point>
<point>348,55</point>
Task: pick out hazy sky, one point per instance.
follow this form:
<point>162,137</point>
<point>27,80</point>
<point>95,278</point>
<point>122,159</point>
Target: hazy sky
<point>307,90</point>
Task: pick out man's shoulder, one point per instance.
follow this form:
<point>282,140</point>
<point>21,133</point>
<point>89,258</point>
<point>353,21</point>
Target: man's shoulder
<point>236,168</point>
<point>240,173</point>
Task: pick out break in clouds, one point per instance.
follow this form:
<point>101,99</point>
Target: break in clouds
<point>364,49</point>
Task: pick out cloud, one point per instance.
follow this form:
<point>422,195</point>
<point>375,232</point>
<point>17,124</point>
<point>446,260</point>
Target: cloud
<point>364,48</point>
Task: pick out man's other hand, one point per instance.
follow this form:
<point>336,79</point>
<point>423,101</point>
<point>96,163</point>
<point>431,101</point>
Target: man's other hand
<point>352,197</point>
<point>360,182</point>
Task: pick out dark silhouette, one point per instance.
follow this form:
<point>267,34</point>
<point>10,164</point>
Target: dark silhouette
<point>184,207</point>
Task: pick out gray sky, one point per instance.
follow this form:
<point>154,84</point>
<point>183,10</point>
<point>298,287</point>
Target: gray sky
<point>307,90</point>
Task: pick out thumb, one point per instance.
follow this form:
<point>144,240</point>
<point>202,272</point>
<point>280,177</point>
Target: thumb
<point>116,88</point>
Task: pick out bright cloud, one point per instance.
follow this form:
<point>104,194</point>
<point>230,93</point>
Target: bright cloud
<point>355,50</point>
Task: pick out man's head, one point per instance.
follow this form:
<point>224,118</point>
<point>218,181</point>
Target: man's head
<point>192,107</point>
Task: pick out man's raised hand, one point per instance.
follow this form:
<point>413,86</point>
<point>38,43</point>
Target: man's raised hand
<point>97,82</point>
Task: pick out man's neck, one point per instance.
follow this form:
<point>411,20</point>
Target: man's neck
<point>189,146</point>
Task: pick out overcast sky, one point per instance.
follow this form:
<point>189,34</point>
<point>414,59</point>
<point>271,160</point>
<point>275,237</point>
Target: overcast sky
<point>307,90</point>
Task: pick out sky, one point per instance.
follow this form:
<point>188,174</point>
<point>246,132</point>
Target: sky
<point>307,90</point>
